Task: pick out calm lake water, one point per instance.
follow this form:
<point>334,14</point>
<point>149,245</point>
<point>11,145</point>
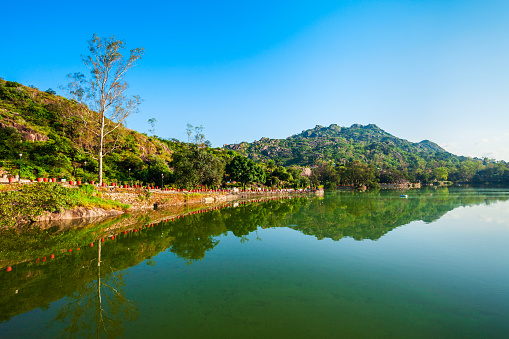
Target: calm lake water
<point>344,265</point>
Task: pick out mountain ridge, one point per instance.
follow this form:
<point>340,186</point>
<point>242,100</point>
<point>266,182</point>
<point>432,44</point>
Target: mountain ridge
<point>46,130</point>
<point>358,142</point>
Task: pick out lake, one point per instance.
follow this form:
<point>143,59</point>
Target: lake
<point>348,264</point>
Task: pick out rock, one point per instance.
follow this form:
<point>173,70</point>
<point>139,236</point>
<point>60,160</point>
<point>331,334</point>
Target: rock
<point>27,133</point>
<point>306,172</point>
<point>78,213</point>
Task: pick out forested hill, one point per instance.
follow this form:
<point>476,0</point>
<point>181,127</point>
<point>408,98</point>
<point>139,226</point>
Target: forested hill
<point>54,142</point>
<point>368,143</point>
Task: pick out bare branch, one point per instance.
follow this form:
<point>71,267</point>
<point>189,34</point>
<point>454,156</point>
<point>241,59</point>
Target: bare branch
<point>103,106</point>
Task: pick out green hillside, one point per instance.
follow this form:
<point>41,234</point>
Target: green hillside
<point>391,159</point>
<point>54,142</point>
<point>342,144</point>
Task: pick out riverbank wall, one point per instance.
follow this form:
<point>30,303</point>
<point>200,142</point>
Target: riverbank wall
<point>142,200</point>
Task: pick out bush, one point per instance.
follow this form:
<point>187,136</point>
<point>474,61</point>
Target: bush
<point>32,201</point>
<point>12,84</point>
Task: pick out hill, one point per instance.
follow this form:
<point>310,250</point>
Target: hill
<point>368,143</point>
<point>46,129</point>
<point>388,158</point>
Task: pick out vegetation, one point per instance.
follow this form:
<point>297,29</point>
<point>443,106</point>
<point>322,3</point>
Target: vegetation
<point>194,166</point>
<point>32,201</point>
<point>48,131</point>
<point>245,171</point>
<point>56,144</point>
<point>102,104</point>
<point>368,155</point>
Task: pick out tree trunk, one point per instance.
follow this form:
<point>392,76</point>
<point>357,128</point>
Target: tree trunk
<point>101,145</point>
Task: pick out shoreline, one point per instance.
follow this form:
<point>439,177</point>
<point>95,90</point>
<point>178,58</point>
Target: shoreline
<point>140,201</point>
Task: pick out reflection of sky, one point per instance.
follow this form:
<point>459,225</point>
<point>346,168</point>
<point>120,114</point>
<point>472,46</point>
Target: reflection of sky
<point>496,213</point>
<point>448,276</point>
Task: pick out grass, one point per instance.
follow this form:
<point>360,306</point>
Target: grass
<point>87,196</point>
<point>9,187</point>
<point>31,201</point>
<point>94,201</point>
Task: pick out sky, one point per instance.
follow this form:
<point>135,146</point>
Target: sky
<point>436,70</point>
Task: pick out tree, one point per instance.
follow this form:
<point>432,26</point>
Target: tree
<point>358,173</point>
<point>324,174</point>
<point>194,166</point>
<point>440,173</point>
<point>199,137</point>
<point>189,131</point>
<point>245,170</point>
<point>104,105</point>
<point>152,123</point>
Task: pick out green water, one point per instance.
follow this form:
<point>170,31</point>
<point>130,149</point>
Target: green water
<point>346,265</point>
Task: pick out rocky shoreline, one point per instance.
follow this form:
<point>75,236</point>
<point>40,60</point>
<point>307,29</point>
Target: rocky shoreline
<point>145,200</point>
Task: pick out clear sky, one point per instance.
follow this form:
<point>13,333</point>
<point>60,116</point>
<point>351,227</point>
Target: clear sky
<point>436,70</point>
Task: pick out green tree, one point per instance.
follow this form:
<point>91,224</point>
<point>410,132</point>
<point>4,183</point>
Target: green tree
<point>103,100</point>
<point>189,131</point>
<point>152,123</point>
<point>195,166</point>
<point>281,173</point>
<point>440,173</point>
<point>325,174</point>
<point>358,173</point>
<point>245,171</point>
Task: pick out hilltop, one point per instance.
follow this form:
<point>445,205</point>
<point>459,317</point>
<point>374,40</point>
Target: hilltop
<point>46,129</point>
<point>368,143</point>
<point>384,157</point>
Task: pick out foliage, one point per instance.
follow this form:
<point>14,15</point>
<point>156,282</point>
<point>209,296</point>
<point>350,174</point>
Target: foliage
<point>389,158</point>
<point>194,166</point>
<point>244,170</point>
<point>152,123</point>
<point>48,131</point>
<point>32,201</point>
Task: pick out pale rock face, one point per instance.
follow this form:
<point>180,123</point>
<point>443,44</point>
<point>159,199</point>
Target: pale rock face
<point>306,172</point>
<point>27,133</point>
<point>34,136</point>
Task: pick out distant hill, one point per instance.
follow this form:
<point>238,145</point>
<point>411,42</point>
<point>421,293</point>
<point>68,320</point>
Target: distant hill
<point>367,143</point>
<point>46,130</point>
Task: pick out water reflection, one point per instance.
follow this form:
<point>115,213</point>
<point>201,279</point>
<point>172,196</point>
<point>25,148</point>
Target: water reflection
<point>90,278</point>
<point>370,215</point>
<point>97,309</point>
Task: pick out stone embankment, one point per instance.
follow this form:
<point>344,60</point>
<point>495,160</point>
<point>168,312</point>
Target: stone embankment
<point>143,200</point>
<point>78,213</point>
<point>148,199</point>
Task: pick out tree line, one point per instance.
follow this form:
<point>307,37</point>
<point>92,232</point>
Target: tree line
<point>83,137</point>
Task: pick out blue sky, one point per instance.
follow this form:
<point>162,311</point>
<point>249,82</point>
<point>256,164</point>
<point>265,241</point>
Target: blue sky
<point>434,70</point>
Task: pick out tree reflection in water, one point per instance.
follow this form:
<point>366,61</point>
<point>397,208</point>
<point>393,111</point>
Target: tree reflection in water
<point>98,309</point>
<point>91,279</point>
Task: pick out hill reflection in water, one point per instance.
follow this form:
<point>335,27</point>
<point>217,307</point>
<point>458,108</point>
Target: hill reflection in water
<point>91,273</point>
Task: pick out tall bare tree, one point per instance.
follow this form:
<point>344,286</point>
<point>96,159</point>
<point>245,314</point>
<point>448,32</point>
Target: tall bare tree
<point>104,105</point>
